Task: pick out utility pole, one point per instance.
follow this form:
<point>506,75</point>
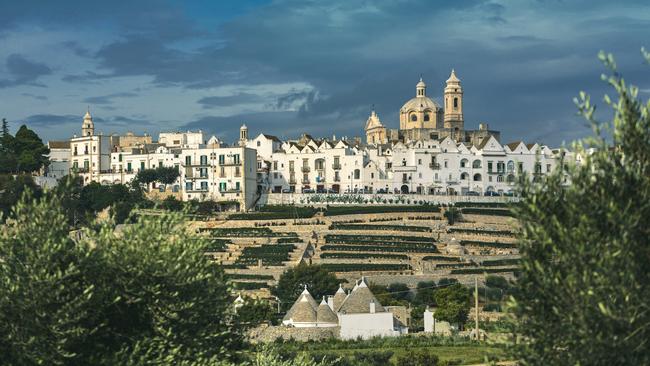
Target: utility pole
<point>476,303</point>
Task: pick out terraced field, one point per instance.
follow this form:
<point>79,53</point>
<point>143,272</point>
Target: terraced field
<point>408,244</point>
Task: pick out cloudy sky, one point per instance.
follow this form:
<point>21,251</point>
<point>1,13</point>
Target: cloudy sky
<point>290,66</point>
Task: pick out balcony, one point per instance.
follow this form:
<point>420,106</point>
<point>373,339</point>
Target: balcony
<point>231,190</point>
<point>292,180</point>
<point>434,166</point>
<point>237,174</point>
<point>305,169</point>
<point>305,181</point>
<point>336,166</point>
<point>337,179</point>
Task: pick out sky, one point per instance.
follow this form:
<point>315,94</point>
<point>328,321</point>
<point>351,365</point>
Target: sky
<point>291,66</point>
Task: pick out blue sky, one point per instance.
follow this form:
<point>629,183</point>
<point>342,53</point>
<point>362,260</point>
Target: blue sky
<point>291,66</point>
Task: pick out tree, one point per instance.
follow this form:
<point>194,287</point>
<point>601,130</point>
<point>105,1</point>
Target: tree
<point>420,357</point>
<point>453,303</point>
<point>147,295</point>
<point>12,189</point>
<point>255,312</point>
<point>292,282</point>
<point>7,156</point>
<point>29,150</point>
<point>167,175</point>
<point>453,215</point>
<point>583,296</point>
<point>424,293</point>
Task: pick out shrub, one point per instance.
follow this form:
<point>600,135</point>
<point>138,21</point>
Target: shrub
<point>344,267</point>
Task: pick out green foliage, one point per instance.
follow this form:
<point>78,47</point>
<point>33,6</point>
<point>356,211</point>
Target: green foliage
<point>379,227</point>
<point>254,312</point>
<point>396,248</point>
<point>170,203</point>
<point>23,153</point>
<point>453,215</point>
<point>584,293</point>
<point>356,210</point>
<point>274,212</point>
<point>146,296</point>
<point>292,282</point>
<point>487,211</point>
<point>487,244</point>
<point>497,282</point>
<point>12,189</point>
<point>453,303</point>
<point>481,231</point>
<point>356,267</point>
<point>337,255</point>
<point>424,293</point>
<point>270,254</point>
<point>164,175</point>
<point>421,357</point>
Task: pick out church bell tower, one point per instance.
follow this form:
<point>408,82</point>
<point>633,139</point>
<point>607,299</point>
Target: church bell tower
<point>88,127</point>
<point>453,117</point>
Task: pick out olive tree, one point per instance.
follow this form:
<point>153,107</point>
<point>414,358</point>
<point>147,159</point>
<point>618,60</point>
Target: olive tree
<point>583,295</point>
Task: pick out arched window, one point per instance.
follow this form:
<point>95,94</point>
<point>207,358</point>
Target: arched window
<point>476,164</point>
<point>477,177</point>
<point>463,163</point>
<point>357,173</point>
<point>499,178</point>
<point>426,117</point>
<point>456,103</point>
<point>464,176</point>
<point>511,166</point>
<point>511,178</point>
<point>414,117</point>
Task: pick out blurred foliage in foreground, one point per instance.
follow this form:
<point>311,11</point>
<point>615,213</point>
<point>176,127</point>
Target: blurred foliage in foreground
<point>584,289</point>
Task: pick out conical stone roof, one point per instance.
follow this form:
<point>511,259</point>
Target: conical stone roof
<point>303,310</point>
<point>325,315</point>
<point>339,297</point>
<point>359,301</point>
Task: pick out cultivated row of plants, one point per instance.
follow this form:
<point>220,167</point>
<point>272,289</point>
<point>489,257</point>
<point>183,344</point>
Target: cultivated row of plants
<point>482,204</point>
<point>275,212</point>
<point>289,240</point>
<point>441,258</point>
<point>462,230</point>
<point>336,255</point>
<point>247,232</point>
<point>357,210</point>
<point>248,276</point>
<point>483,270</point>
<point>270,254</point>
<point>455,265</point>
<point>379,227</point>
<point>398,248</point>
<point>500,262</point>
<point>488,244</point>
<point>217,245</point>
<point>355,267</point>
<point>248,285</point>
<point>379,239</point>
<point>487,211</point>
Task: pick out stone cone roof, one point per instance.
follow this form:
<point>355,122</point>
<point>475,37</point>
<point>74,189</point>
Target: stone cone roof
<point>303,310</point>
<point>339,297</point>
<point>359,301</point>
<point>325,315</point>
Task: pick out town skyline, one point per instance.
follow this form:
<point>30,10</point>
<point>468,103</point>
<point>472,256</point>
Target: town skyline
<point>307,67</point>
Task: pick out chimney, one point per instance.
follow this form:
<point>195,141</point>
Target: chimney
<point>372,307</point>
<point>330,302</point>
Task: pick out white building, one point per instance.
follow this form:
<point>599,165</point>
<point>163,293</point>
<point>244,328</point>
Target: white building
<point>90,153</point>
<point>358,314</point>
<point>219,174</point>
<point>59,159</point>
<point>185,140</point>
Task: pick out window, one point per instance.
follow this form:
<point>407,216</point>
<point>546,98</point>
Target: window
<point>275,175</point>
<point>499,178</point>
<point>204,186</point>
<point>463,163</point>
<point>372,175</point>
<point>142,165</point>
<point>357,174</point>
<point>128,167</point>
<point>538,168</point>
<point>446,165</point>
<point>477,177</point>
<point>175,188</point>
<point>511,178</point>
<point>275,165</point>
<point>476,164</point>
<point>419,175</point>
<point>520,167</point>
<point>75,165</point>
<point>204,160</point>
<point>291,166</point>
<point>188,186</point>
<point>222,187</point>
<point>419,161</point>
<point>235,158</point>
<point>259,144</point>
<point>188,160</point>
<point>203,172</point>
<point>426,117</point>
<point>464,176</point>
<point>237,186</point>
<point>489,167</point>
<point>222,159</point>
<point>456,103</point>
<point>403,162</point>
<point>414,117</point>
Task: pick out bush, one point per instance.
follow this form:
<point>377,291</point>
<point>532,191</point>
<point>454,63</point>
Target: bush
<point>496,244</point>
<point>379,227</point>
<point>357,210</point>
<point>397,248</point>
<point>419,357</point>
<point>344,267</point>
<point>487,211</point>
<point>364,255</point>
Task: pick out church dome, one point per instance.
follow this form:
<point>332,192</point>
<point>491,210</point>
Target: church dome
<point>421,102</point>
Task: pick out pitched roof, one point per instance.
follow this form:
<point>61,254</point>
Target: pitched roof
<point>324,314</point>
<point>271,137</point>
<point>359,301</point>
<point>514,145</point>
<point>484,142</point>
<point>303,310</point>
<point>58,144</point>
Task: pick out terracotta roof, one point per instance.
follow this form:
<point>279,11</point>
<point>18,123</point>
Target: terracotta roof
<point>359,301</point>
<point>58,144</point>
<point>324,314</point>
<point>303,310</point>
<point>514,145</point>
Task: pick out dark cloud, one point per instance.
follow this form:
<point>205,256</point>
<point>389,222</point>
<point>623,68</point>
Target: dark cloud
<point>222,101</point>
<point>48,120</point>
<point>108,99</point>
<point>37,97</point>
<point>23,72</point>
